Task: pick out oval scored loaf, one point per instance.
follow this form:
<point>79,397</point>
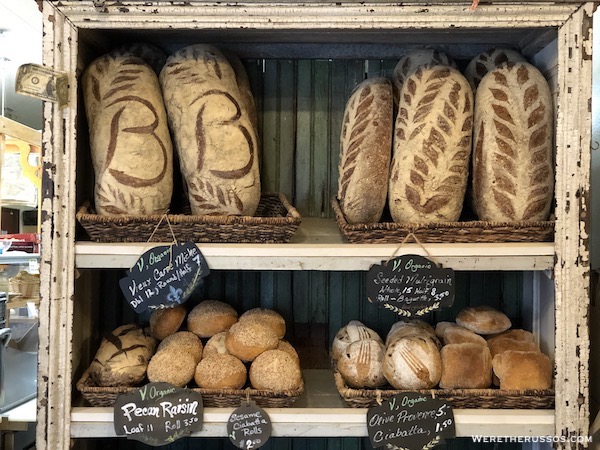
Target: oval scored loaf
<point>366,151</point>
<point>513,176</point>
<point>432,146</point>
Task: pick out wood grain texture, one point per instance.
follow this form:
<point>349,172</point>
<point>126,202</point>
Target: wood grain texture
<point>479,66</point>
<point>513,177</point>
<point>432,146</point>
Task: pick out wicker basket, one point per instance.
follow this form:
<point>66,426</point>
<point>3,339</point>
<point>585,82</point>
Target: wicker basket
<point>29,287</point>
<point>275,221</point>
<point>106,396</point>
<point>458,398</point>
<point>444,232</point>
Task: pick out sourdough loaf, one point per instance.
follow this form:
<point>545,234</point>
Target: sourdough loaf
<point>213,131</point>
<point>479,66</point>
<point>361,364</point>
<point>513,177</point>
<point>130,143</point>
<point>432,146</point>
<point>152,54</point>
<point>412,362</point>
<point>365,151</point>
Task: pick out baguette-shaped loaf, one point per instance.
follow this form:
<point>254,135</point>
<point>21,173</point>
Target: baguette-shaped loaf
<point>513,177</point>
<point>366,151</point>
<point>131,147</point>
<point>432,146</point>
<point>213,132</point>
<point>479,66</point>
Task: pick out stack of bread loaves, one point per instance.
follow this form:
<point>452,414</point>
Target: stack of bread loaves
<point>453,356</point>
<point>234,349</point>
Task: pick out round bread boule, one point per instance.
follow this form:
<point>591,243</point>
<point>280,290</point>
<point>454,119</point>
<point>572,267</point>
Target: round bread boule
<point>216,345</point>
<point>220,371</point>
<point>172,367</point>
<point>211,317</point>
<point>412,362</point>
<point>275,370</point>
<point>268,316</point>
<point>361,364</point>
<point>249,338</point>
<point>409,328</point>
<point>354,331</point>
<point>165,322</point>
<point>288,348</point>
<point>483,320</point>
<point>184,341</point>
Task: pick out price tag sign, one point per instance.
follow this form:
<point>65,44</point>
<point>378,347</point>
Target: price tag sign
<point>410,421</point>
<point>163,277</point>
<point>410,285</point>
<point>158,414</point>
<point>249,426</point>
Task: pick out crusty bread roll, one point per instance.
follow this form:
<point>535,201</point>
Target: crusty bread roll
<point>412,362</point>
<point>216,345</point>
<point>182,341</point>
<point>366,151</point>
<point>221,371</point>
<point>288,348</point>
<point>213,131</point>
<point>441,327</point>
<point>164,322</point>
<point>269,317</point>
<point>432,146</point>
<point>500,345</point>
<point>404,328</point>
<point>424,57</point>
<point>122,358</point>
<point>361,364</point>
<point>249,338</point>
<point>275,370</point>
<point>172,366</point>
<point>513,175</point>
<point>466,366</point>
<point>523,370</point>
<point>483,320</point>
<point>513,333</point>
<point>210,317</point>
<point>456,334</point>
<point>351,332</point>
<point>132,154</point>
<point>488,60</point>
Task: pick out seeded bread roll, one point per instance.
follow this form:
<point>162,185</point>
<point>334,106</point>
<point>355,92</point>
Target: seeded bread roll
<point>210,317</point>
<point>249,338</point>
<point>432,146</point>
<point>362,363</point>
<point>164,322</point>
<point>457,335</point>
<point>466,366</point>
<point>132,154</point>
<point>412,362</point>
<point>513,175</point>
<point>182,341</point>
<point>216,345</point>
<point>483,320</point>
<point>275,370</point>
<point>489,60</point>
<point>366,151</point>
<point>221,371</point>
<point>213,131</point>
<point>175,367</point>
<point>122,358</point>
<point>288,348</point>
<point>523,370</point>
<point>353,331</point>
<point>267,316</point>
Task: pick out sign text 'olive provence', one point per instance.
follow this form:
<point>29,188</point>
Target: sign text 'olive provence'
<point>410,285</point>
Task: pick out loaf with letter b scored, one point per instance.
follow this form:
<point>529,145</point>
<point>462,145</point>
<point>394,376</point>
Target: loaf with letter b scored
<point>432,146</point>
<point>214,135</point>
<point>513,176</point>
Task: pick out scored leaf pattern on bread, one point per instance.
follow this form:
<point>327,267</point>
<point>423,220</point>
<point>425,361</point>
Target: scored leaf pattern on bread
<point>114,200</point>
<point>487,61</point>
<point>213,198</point>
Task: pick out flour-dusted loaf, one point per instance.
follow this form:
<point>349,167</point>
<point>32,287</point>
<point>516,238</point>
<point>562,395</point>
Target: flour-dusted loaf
<point>366,151</point>
<point>131,148</point>
<point>122,358</point>
<point>213,131</point>
<point>432,146</point>
<point>152,54</point>
<point>361,364</point>
<point>426,57</point>
<point>513,177</point>
<point>489,60</point>
<point>412,362</point>
<point>354,331</point>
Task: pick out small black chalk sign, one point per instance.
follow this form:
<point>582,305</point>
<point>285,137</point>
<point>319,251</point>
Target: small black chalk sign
<point>164,276</point>
<point>410,421</point>
<point>158,414</point>
<point>249,426</point>
<point>410,286</point>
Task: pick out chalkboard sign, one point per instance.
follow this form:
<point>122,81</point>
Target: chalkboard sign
<point>249,426</point>
<point>410,285</point>
<point>410,421</point>
<point>158,413</point>
<point>164,276</point>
